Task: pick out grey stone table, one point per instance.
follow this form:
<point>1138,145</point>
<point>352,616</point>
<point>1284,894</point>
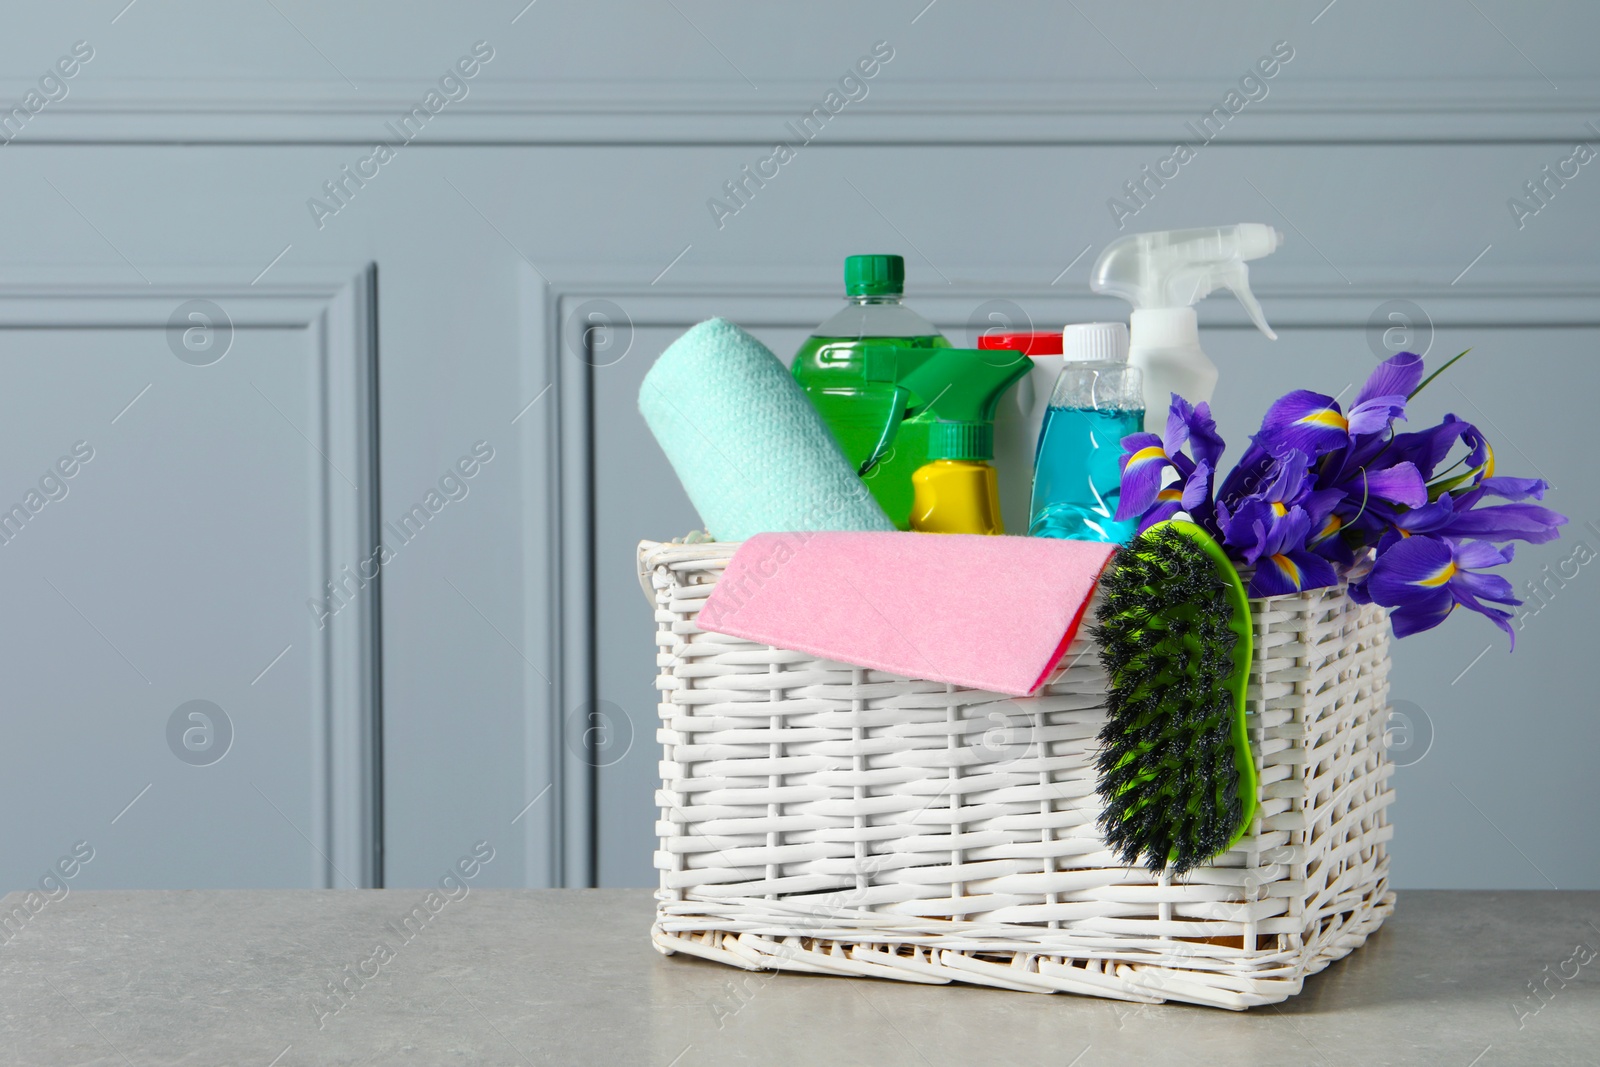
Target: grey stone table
<point>569,977</point>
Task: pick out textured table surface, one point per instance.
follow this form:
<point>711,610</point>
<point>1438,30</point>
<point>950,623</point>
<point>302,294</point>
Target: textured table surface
<point>569,977</point>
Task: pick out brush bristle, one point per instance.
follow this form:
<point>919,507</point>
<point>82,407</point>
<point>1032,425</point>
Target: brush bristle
<point>1168,779</point>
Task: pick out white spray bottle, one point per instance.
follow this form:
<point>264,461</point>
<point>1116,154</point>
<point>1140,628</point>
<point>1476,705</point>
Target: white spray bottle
<point>1163,275</point>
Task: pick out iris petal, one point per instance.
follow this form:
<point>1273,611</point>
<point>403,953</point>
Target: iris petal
<point>1275,576</point>
<point>1375,415</point>
<point>1177,432</point>
<point>1135,442</point>
<point>1488,586</point>
<point>1141,481</point>
<point>1204,441</point>
<point>1399,571</point>
<point>1288,532</point>
<point>1504,522</point>
<point>1514,488</point>
<point>1429,518</point>
<point>1400,375</point>
<point>1310,422</point>
<point>1160,513</point>
<point>1475,554</point>
<point>1439,577</point>
<point>1197,488</point>
<point>1401,483</point>
<point>1294,571</point>
<point>1415,617</point>
<point>1315,571</point>
<point>1246,530</point>
<point>1320,505</point>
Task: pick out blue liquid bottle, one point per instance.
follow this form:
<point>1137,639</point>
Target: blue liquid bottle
<point>1097,401</point>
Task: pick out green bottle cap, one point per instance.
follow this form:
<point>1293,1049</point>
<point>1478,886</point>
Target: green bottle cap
<point>960,440</point>
<point>874,275</point>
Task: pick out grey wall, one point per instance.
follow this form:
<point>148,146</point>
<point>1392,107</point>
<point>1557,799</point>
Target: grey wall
<point>443,305</point>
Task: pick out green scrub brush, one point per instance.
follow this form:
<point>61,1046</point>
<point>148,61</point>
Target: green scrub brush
<point>1176,776</point>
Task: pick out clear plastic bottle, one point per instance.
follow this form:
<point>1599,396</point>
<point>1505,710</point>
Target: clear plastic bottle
<point>858,399</point>
<point>1097,401</point>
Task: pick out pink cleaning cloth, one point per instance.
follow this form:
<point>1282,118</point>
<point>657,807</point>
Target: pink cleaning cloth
<point>992,613</point>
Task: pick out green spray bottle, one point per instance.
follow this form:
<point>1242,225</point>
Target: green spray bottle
<point>923,419</point>
<point>957,490</point>
<point>860,396</point>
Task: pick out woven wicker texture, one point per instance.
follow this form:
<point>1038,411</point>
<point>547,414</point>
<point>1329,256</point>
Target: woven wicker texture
<point>831,819</point>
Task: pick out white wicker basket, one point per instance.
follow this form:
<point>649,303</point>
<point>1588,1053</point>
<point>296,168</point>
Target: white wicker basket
<point>832,819</point>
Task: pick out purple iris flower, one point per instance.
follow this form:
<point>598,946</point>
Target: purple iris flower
<point>1146,458</point>
<point>1289,496</point>
<point>1314,424</point>
<point>1422,579</point>
<point>1284,565</point>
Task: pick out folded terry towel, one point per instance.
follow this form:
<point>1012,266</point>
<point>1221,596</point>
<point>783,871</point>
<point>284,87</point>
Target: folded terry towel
<point>987,612</point>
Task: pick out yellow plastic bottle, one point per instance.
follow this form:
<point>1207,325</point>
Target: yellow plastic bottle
<point>956,496</point>
<point>956,491</point>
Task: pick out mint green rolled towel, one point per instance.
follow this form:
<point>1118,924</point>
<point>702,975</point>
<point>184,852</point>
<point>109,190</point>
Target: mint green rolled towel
<point>753,454</point>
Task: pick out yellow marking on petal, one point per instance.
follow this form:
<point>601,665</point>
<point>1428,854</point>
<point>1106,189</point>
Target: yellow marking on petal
<point>1488,464</point>
<point>1444,574</point>
<point>1403,531</point>
<point>1145,455</point>
<point>1278,509</point>
<point>1170,494</point>
<point>1326,417</point>
<point>1289,567</point>
<point>1328,528</point>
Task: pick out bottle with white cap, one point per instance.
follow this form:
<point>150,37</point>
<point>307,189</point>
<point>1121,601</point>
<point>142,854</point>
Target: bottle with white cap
<point>1098,400</point>
<point>1163,275</point>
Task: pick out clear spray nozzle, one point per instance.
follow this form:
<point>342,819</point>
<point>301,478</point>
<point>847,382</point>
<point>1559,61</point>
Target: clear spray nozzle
<point>1179,268</point>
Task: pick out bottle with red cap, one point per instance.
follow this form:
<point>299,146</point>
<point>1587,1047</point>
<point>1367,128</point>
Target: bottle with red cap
<point>1020,417</point>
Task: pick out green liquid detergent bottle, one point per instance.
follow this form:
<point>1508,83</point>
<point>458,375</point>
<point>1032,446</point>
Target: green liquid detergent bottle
<point>851,367</point>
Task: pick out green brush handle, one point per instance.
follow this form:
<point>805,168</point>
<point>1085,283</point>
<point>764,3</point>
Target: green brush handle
<point>1239,680</point>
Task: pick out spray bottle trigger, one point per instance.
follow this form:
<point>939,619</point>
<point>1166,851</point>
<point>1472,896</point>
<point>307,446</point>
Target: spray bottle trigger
<point>891,426</point>
<point>880,366</point>
<point>1236,279</point>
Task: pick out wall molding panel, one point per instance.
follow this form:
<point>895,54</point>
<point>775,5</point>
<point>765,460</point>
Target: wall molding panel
<point>338,315</point>
<point>899,111</point>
